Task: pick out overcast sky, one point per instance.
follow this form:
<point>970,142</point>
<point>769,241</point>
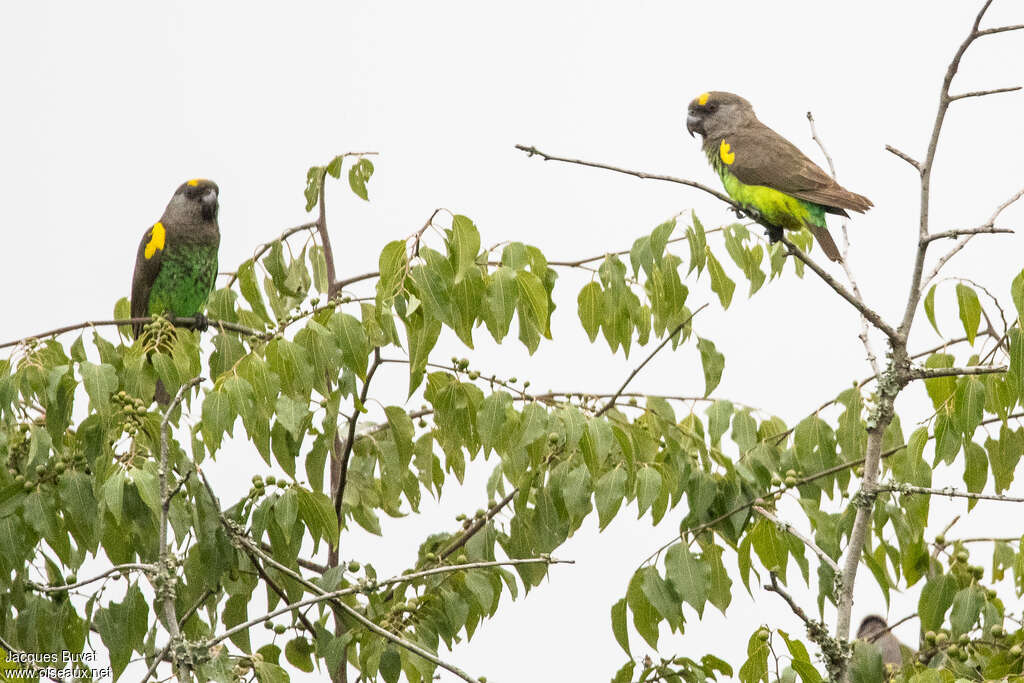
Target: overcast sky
<point>109,106</point>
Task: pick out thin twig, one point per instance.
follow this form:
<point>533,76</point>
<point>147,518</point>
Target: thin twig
<point>866,311</point>
<point>401,642</point>
<point>137,566</point>
<point>264,248</point>
<point>906,157</point>
<point>986,229</point>
<point>183,322</point>
<point>638,174</point>
<point>888,628</point>
<point>949,492</point>
<point>477,525</point>
<point>666,340</point>
<point>962,242</point>
<point>931,373</point>
<point>788,528</point>
<point>797,609</point>
<point>865,339</point>
<point>982,93</point>
<point>339,493</point>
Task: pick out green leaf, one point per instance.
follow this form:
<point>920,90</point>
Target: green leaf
<point>970,310</point>
<point>936,598</point>
<point>645,617</point>
<point>100,381</point>
<point>801,661</point>
<point>967,604</point>
<point>940,388</point>
<point>771,548</point>
<point>929,308</point>
<point>608,495</point>
<point>720,282</point>
<point>250,289</point>
<point>218,418</point>
<point>299,653</point>
<point>533,294</point>
<point>689,575</point>
<point>464,243</point>
<point>648,486</point>
<point>713,363</point>
<point>591,308</point>
<point>619,624</point>
<point>351,338</point>
<point>500,301</point>
<point>358,176</point>
<point>292,415</point>
<point>1017,294</point>
<point>698,242</point>
<point>661,596</point>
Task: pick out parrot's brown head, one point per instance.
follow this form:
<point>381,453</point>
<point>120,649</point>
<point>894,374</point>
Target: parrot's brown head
<point>194,201</point>
<point>715,114</point>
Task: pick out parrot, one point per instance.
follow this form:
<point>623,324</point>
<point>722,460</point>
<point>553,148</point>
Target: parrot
<point>873,630</point>
<point>176,264</point>
<point>765,173</point>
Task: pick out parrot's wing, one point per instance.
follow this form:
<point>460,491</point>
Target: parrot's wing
<point>763,157</point>
<point>147,267</point>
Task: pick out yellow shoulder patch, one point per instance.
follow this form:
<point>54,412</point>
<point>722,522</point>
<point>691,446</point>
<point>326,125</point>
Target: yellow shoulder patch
<point>194,182</point>
<point>725,153</point>
<point>702,99</point>
<point>157,235</point>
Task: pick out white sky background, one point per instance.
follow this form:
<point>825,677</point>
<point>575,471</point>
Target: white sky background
<point>109,106</point>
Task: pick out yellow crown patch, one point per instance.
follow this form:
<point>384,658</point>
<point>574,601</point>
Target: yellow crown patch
<point>157,235</point>
<point>702,99</point>
<point>194,181</point>
<point>725,153</point>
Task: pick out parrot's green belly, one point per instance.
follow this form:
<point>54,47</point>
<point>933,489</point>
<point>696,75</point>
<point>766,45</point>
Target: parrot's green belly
<point>777,208</point>
<point>184,282</point>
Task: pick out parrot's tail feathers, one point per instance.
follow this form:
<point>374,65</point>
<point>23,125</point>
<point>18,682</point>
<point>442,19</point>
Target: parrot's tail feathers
<point>827,245</point>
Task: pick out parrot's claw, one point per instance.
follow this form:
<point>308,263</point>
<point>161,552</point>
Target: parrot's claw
<point>774,234</point>
<point>200,323</point>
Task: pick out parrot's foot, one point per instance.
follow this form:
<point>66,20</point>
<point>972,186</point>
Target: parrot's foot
<point>200,323</point>
<point>774,234</point>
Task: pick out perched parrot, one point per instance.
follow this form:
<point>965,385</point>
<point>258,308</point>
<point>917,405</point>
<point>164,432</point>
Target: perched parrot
<point>873,630</point>
<point>765,173</point>
<point>176,264</point>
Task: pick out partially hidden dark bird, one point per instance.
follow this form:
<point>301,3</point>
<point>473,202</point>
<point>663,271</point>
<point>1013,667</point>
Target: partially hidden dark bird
<point>765,173</point>
<point>873,629</point>
<point>176,264</point>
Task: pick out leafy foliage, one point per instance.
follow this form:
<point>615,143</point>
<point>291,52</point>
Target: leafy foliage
<point>83,484</point>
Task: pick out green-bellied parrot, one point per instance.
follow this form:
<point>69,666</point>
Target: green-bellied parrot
<point>764,172</point>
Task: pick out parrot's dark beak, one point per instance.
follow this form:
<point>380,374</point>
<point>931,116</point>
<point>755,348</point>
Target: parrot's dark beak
<point>209,204</point>
<point>693,125</point>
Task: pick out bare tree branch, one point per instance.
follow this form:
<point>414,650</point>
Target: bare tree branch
<point>864,337</point>
<point>906,157</point>
<point>982,93</point>
<point>183,322</point>
<point>638,174</point>
<point>949,492</point>
<point>873,317</point>
<point>985,229</point>
<point>931,373</point>
<point>962,242</point>
<point>117,569</point>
